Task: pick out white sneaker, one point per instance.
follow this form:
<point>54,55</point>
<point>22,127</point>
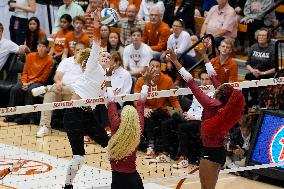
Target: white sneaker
<point>181,163</point>
<point>232,165</point>
<point>42,131</point>
<point>150,154</point>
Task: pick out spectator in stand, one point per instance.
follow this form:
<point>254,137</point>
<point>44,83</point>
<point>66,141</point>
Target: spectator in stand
<point>253,11</point>
<point>36,71</point>
<point>103,36</point>
<point>70,8</point>
<point>180,41</point>
<point>7,47</point>
<point>136,56</point>
<point>126,24</point>
<point>34,33</point>
<point>239,5</point>
<point>181,9</point>
<point>92,17</point>
<point>67,73</point>
<point>224,65</point>
<point>114,43</point>
<point>59,38</point>
<point>156,32</point>
<point>156,109</point>
<point>187,128</point>
<point>207,5</point>
<point>120,79</point>
<point>239,143</point>
<point>261,57</point>
<point>75,36</point>
<point>19,19</point>
<point>145,7</point>
<point>260,64</point>
<point>221,22</point>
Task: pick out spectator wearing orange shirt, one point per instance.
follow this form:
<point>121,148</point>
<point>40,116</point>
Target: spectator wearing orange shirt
<point>75,36</point>
<point>36,71</point>
<point>102,34</point>
<point>156,32</point>
<point>34,33</point>
<point>224,65</point>
<point>59,38</point>
<point>156,109</point>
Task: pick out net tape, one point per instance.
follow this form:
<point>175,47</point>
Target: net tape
<point>130,97</point>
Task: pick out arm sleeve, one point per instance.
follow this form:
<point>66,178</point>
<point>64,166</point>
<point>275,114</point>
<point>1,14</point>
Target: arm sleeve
<point>202,98</point>
<point>114,118</point>
<point>216,83</point>
<point>93,60</point>
<point>141,105</point>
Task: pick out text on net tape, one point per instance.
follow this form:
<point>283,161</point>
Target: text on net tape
<point>130,97</point>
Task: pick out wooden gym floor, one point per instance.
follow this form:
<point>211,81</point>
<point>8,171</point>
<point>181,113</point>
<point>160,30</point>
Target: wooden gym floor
<point>22,138</point>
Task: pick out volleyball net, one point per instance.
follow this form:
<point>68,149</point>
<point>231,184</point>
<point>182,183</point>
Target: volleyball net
<point>46,159</point>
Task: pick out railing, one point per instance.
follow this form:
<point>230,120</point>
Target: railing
<point>212,53</point>
<point>279,59</point>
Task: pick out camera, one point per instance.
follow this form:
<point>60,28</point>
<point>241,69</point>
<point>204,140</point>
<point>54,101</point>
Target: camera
<point>11,9</point>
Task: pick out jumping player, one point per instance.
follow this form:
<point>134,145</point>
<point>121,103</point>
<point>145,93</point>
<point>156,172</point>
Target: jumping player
<point>219,115</point>
<point>81,121</point>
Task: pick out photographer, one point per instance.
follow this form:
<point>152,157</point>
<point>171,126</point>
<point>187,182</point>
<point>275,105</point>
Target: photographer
<point>19,19</point>
<point>238,145</point>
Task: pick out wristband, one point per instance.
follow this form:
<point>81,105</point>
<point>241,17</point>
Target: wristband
<point>210,69</point>
<point>185,74</point>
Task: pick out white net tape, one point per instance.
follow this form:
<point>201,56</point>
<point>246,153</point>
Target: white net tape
<point>130,97</point>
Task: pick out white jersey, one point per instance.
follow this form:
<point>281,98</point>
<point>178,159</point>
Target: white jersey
<point>181,43</point>
<point>137,58</point>
<point>91,84</point>
<point>72,71</point>
<point>121,81</point>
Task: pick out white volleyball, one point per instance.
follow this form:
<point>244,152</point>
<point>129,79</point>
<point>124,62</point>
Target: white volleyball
<point>109,16</point>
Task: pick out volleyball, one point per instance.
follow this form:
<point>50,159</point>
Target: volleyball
<point>109,16</point>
